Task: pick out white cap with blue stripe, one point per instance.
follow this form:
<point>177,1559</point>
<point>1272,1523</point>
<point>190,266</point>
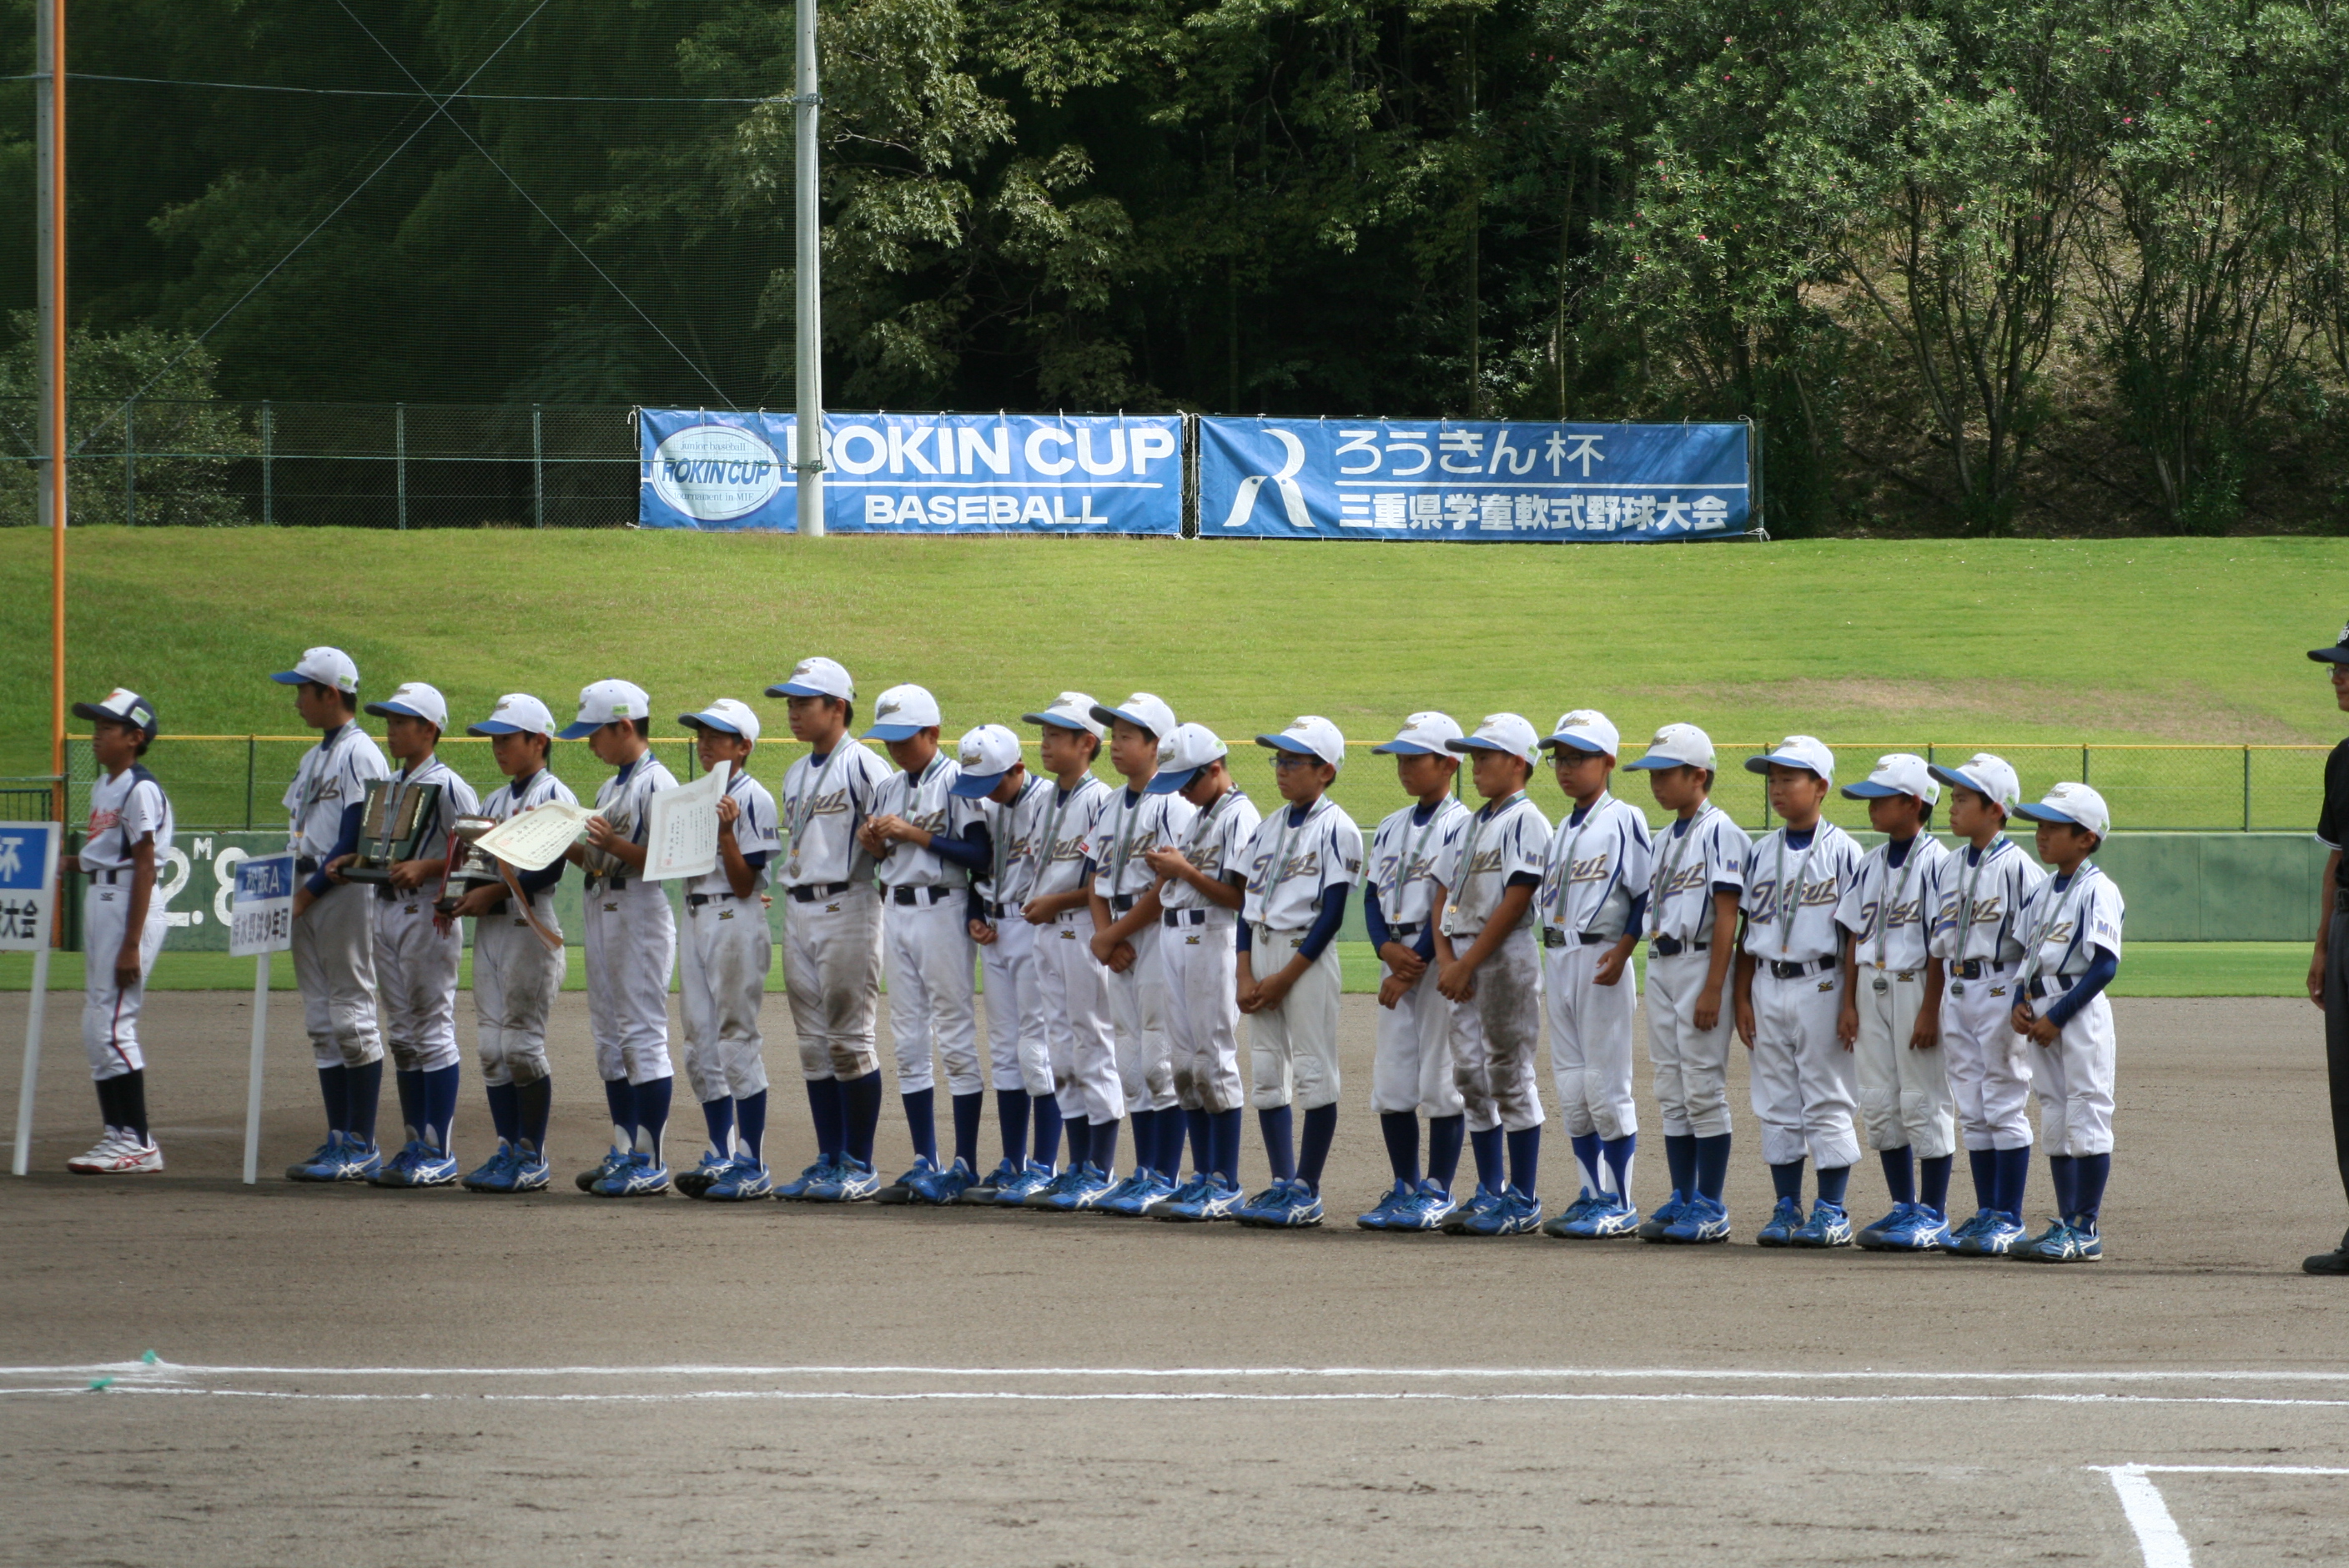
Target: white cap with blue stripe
<point>2074,803</point>
<point>517,712</point>
<point>815,678</point>
<point>1807,752</point>
<point>727,717</point>
<point>606,702</point>
<point>1991,778</point>
<point>414,699</point>
<point>902,713</point>
<point>1897,773</point>
<point>1424,733</point>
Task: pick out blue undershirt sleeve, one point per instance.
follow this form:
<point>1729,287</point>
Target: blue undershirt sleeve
<point>1523,879</point>
<point>973,852</point>
<point>347,839</point>
<point>756,860</point>
<point>1240,943</point>
<point>1324,929</point>
<point>1637,921</point>
<point>1425,944</point>
<point>2084,990</point>
<point>535,882</point>
<point>1373,918</point>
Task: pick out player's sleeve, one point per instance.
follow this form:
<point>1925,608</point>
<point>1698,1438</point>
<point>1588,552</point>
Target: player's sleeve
<point>2104,964</point>
<point>1341,865</point>
<point>2103,916</point>
<point>457,798</point>
<point>755,831</point>
<point>1727,854</point>
<point>142,811</point>
<point>1851,905</point>
<point>293,797</point>
<point>1525,850</point>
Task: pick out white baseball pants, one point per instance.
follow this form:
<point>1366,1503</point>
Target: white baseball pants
<point>832,973</point>
<point>933,999</point>
<point>1802,1075</point>
<point>1495,1067</point>
<point>334,963</point>
<point>2074,1080</point>
<point>631,954</point>
<point>1293,1048</point>
<point>1076,1017</point>
<point>109,1017</point>
<point>1414,1069</point>
<point>515,979</point>
<point>1590,1039</point>
<point>1990,1071</point>
<point>725,953</point>
<point>1692,1064</point>
<point>416,975</point>
<point>1203,1011</point>
<point>1904,1095</point>
<point>1018,1043</point>
<point>1137,1016</point>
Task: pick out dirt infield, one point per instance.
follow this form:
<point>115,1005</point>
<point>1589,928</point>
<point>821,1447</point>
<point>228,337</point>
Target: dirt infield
<point>561,1378</point>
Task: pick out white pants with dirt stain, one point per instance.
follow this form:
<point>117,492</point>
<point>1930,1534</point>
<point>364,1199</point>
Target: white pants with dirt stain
<point>832,970</point>
<point>515,979</point>
<point>1075,999</point>
<point>109,1016</point>
<point>1293,1047</point>
<point>726,952</point>
<point>1692,1064</point>
<point>631,954</point>
<point>416,966</point>
<point>1137,1016</point>
<point>1018,1043</point>
<point>1203,1011</point>
<point>1988,1063</point>
<point>933,997</point>
<point>1495,1071</point>
<point>334,964</point>
<point>1904,1095</point>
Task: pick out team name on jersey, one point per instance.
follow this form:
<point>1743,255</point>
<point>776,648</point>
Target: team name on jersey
<point>1986,913</point>
<point>1392,875</point>
<point>1908,913</point>
<point>1684,879</point>
<point>1813,893</point>
<point>830,804</point>
<point>1305,865</point>
<point>1593,869</point>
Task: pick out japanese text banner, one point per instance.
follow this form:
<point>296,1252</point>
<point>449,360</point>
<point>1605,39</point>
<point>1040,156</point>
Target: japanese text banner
<point>918,473</point>
<point>1433,479</point>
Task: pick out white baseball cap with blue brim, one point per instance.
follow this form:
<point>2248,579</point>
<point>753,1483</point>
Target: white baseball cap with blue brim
<point>815,678</point>
<point>1424,734</point>
<point>1071,710</point>
<point>2074,803</point>
<point>606,702</point>
<point>1181,757</point>
<point>1141,711</point>
<point>517,712</point>
<point>986,754</point>
<point>1309,735</point>
<point>121,706</point>
<point>1807,752</point>
<point>727,717</point>
<point>1513,733</point>
<point>902,713</point>
<point>1895,773</point>
<point>414,699</point>
<point>323,666</point>
<point>1991,778</point>
<point>1677,746</point>
<point>1584,729</point>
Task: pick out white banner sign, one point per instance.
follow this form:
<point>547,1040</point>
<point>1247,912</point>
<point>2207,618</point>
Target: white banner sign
<point>28,884</point>
<point>681,828</point>
<point>261,916</point>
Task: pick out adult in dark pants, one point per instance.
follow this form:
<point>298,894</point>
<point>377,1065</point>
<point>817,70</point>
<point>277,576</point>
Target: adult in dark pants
<point>2328,970</point>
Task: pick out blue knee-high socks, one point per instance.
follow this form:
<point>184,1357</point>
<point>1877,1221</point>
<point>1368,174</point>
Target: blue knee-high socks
<point>1835,1184</point>
<point>1933,1182</point>
<point>1279,1129</point>
<point>439,1086</point>
<point>505,1112</point>
<point>533,1109</point>
<point>1680,1163</point>
<point>1224,1144</point>
<point>717,1116</point>
<point>751,1124</point>
<point>1102,1156</point>
<point>828,1109</point>
<point>1046,1111</point>
<point>1525,1160</point>
<point>1400,1130</point>
<point>970,1110</point>
<point>365,1089</point>
<point>1617,1156</point>
<point>620,1103</point>
<point>1489,1152</point>
<point>1712,1164</point>
<point>409,1086</point>
<point>1586,1147</point>
<point>1445,1136</point>
<point>861,1116</point>
<point>335,1089</point>
<point>1313,1145</point>
<point>651,1115</point>
<point>1200,1124</point>
<point>1080,1142</point>
<point>1984,1163</point>
<point>1900,1173</point>
<point>922,1122</point>
<point>1011,1110</point>
<point>2089,1174</point>
<point>2013,1175</point>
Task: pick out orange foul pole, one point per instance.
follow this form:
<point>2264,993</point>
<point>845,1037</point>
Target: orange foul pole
<point>51,66</point>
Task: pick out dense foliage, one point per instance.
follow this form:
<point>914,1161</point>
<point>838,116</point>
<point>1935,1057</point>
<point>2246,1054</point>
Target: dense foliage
<point>1980,265</point>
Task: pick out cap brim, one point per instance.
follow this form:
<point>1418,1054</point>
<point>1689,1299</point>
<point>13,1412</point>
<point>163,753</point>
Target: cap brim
<point>1582,743</point>
<point>1769,759</point>
<point>398,710</point>
<point>1407,749</point>
<point>1868,790</point>
<point>2334,656</point>
<point>296,677</point>
<point>892,732</point>
<point>579,731</point>
<point>971,786</point>
<point>1957,781</point>
<point>97,715</point>
<point>1652,763</point>
<point>500,727</point>
<point>1107,716</point>
<point>703,721</point>
<point>2036,813</point>
<point>1170,783</point>
<point>796,688</point>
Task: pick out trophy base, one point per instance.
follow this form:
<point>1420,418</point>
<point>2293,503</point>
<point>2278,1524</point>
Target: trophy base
<point>358,873</point>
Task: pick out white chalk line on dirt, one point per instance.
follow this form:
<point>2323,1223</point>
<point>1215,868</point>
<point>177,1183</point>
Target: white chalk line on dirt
<point>164,1369</point>
<point>2159,1540</point>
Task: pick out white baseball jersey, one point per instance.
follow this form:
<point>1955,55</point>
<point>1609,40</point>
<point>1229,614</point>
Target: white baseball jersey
<point>333,776</point>
<point>1888,907</point>
<point>1066,827</point>
<point>2062,928</point>
<point>1500,841</point>
<point>1791,894</point>
<point>925,801</point>
<point>624,801</point>
<point>536,790</point>
<point>1128,823</point>
<point>1015,834</point>
<point>1693,857</point>
<point>124,808</point>
<point>1977,901</point>
<point>1595,869</point>
<point>1404,854</point>
<point>457,799</point>
<point>755,833</point>
<point>825,799</point>
<point>1217,843</point>
<point>1291,864</point>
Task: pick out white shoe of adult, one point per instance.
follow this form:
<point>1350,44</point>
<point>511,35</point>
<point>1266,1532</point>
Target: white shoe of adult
<point>100,1155</point>
<point>132,1160</point>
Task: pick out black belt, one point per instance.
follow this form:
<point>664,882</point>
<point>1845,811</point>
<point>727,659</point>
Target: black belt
<point>308,865</point>
<point>1407,928</point>
<point>1976,968</point>
<point>1553,937</point>
<point>918,896</point>
<point>1186,917</point>
<point>108,878</point>
<point>2043,987</point>
<point>606,884</point>
<point>1003,911</point>
<point>387,893</point>
<point>695,899</point>
<point>1118,903</point>
<point>1783,970</point>
<point>815,892</point>
<point>1672,947</point>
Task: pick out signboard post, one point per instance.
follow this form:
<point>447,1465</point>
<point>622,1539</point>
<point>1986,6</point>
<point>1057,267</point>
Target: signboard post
<point>262,923</point>
<point>28,902</point>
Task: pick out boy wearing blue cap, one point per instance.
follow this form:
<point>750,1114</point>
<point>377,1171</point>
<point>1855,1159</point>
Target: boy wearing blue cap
<point>334,927</point>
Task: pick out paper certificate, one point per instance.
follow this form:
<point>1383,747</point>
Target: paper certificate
<point>681,828</point>
<point>534,840</point>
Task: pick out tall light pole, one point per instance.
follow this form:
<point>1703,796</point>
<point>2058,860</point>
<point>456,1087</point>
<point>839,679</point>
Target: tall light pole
<point>49,91</point>
<point>808,234</point>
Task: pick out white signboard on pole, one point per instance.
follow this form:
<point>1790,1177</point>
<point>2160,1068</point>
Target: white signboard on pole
<point>261,922</point>
<point>28,899</point>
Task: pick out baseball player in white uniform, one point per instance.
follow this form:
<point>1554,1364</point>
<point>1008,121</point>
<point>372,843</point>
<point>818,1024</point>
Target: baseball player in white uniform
<point>724,955</point>
<point>1976,902</point>
<point>1301,865</point>
<point>1073,985</point>
<point>122,927</point>
<point>927,842</point>
<point>1413,1073</point>
<point>517,958</point>
<point>1014,803</point>
<point>1201,889</point>
<point>1892,1005</point>
<point>1126,937</point>
<point>831,931</point>
<point>2072,949</point>
<point>631,941</point>
<point>1790,997</point>
<point>1487,957</point>
<point>1693,898</point>
<point>1592,906</point>
<point>334,925</point>
<point>416,952</point>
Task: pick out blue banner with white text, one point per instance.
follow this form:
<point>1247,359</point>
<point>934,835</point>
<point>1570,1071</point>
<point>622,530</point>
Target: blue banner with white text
<point>918,473</point>
<point>1482,480</point>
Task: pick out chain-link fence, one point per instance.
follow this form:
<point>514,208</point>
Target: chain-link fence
<point>239,780</point>
<point>347,465</point>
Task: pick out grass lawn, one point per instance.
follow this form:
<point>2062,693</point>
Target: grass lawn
<point>2150,969</point>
